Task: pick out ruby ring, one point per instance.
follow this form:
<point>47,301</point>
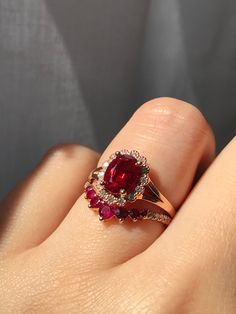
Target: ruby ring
<point>114,189</point>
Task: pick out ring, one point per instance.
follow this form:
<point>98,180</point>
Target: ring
<point>123,179</point>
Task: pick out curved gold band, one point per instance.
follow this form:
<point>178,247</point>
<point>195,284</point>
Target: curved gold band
<point>157,198</point>
<point>160,217</point>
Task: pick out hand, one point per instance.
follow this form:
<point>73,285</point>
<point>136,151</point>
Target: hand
<point>57,257</point>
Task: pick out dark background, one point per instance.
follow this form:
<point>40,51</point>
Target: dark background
<point>74,70</point>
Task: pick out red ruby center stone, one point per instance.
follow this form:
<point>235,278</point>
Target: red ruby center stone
<point>123,173</point>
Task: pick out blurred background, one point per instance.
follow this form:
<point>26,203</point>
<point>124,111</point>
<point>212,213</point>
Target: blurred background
<point>74,70</point>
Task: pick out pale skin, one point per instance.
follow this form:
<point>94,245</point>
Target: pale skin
<point>57,257</point>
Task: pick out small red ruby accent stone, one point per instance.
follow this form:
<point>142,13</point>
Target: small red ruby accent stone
<point>122,173</point>
<point>88,188</point>
<point>106,212</point>
<point>121,213</point>
<point>95,202</point>
<point>90,194</point>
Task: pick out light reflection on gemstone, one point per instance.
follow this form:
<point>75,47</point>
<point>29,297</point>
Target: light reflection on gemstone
<point>123,173</point>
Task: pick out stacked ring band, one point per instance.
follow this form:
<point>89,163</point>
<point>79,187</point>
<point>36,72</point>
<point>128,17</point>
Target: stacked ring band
<point>121,180</point>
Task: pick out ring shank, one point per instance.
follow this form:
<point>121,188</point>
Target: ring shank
<point>154,196</point>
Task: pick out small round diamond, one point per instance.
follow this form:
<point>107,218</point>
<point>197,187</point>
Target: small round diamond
<point>139,189</point>
<point>102,193</point>
<point>121,201</point>
<point>143,160</point>
<point>105,164</point>
<point>101,175</point>
<point>130,197</point>
<point>113,156</point>
<point>144,180</point>
<point>145,169</point>
<point>134,153</point>
<point>124,152</point>
<point>110,199</point>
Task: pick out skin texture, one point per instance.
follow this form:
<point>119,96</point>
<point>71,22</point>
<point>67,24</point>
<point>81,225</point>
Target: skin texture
<point>56,257</point>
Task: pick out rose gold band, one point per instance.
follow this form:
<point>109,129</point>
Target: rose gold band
<point>160,217</point>
<point>157,198</point>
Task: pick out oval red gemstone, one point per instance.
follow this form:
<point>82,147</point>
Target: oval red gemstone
<point>122,173</point>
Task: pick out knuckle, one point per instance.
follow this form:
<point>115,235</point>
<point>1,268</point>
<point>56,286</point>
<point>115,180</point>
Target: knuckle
<point>68,151</point>
<point>62,149</point>
<point>172,114</point>
<point>174,109</point>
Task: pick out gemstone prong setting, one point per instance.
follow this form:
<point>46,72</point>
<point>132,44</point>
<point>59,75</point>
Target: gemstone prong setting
<point>123,178</point>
